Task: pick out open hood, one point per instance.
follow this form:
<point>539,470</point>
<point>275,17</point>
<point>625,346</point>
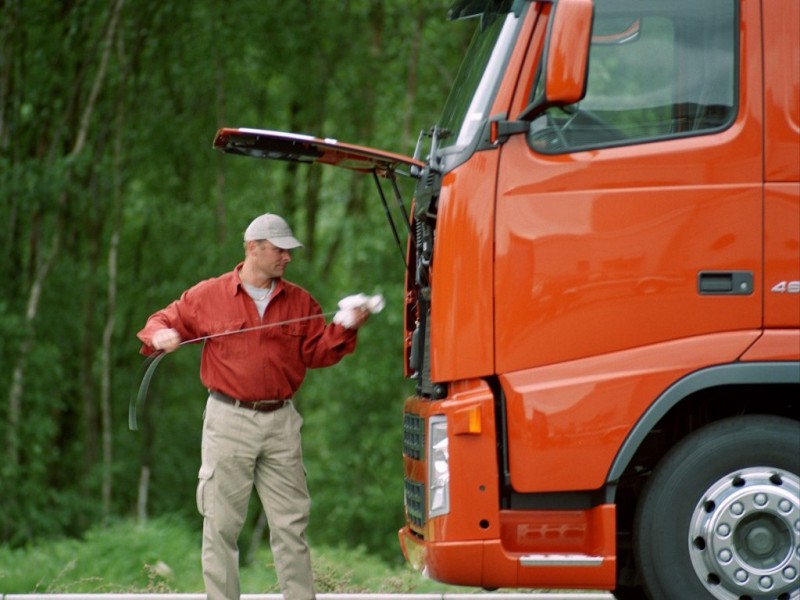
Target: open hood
<point>296,147</point>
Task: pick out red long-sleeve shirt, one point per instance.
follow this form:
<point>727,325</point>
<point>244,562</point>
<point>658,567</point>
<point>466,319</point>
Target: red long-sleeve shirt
<point>265,364</point>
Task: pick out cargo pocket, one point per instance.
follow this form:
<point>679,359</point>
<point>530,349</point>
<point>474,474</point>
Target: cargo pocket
<point>205,498</point>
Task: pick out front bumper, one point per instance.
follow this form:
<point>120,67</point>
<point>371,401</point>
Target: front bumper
<point>582,562</point>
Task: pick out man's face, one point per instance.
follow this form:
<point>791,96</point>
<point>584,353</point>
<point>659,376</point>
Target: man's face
<point>270,259</point>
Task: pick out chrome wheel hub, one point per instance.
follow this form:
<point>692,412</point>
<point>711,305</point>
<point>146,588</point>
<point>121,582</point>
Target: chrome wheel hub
<point>744,537</point>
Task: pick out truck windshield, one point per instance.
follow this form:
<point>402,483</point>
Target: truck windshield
<point>471,96</point>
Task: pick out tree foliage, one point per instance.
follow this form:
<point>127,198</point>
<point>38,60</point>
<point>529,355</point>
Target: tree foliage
<point>113,202</point>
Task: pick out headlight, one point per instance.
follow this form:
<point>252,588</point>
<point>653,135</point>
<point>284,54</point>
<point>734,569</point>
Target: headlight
<point>438,468</point>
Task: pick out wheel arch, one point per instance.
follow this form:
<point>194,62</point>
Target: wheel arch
<point>700,385</point>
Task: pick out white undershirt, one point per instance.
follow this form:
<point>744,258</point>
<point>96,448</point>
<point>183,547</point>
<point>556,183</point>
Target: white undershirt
<point>260,296</point>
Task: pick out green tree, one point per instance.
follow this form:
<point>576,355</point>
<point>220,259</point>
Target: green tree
<point>113,202</point>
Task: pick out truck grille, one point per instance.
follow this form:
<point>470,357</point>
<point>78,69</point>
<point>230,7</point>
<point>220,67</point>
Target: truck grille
<point>415,503</point>
<point>413,436</point>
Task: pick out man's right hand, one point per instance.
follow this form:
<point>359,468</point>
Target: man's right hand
<point>167,340</point>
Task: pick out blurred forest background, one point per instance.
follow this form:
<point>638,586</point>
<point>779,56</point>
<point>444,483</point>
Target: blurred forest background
<point>112,202</point>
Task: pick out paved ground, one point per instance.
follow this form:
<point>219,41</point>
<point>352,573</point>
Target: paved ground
<point>447,596</point>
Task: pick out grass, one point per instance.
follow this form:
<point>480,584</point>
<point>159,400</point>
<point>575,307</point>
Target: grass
<point>164,556</point>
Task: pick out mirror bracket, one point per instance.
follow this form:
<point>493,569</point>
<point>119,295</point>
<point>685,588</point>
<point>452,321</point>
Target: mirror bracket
<point>500,129</point>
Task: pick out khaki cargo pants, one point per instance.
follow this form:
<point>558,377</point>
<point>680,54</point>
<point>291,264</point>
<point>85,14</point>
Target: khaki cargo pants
<point>241,449</point>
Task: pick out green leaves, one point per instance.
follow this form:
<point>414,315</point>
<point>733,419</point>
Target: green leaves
<point>105,133</point>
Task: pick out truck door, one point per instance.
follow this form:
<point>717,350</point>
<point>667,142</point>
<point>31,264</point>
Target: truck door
<point>634,216</point>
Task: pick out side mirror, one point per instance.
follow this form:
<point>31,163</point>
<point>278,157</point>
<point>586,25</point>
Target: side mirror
<point>566,67</point>
<point>567,64</point>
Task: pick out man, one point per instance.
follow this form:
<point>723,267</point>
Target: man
<point>251,430</point>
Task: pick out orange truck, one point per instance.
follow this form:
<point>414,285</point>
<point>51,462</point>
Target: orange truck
<point>602,308</point>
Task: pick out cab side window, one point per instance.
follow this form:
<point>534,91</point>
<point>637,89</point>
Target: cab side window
<point>657,70</point>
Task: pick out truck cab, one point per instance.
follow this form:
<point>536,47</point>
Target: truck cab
<point>602,306</point>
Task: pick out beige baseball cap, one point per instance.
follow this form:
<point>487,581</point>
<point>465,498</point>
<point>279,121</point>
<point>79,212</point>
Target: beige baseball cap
<point>273,229</point>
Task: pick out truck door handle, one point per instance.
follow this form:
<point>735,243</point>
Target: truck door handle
<point>725,283</point>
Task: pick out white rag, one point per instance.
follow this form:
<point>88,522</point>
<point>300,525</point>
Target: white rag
<point>346,316</point>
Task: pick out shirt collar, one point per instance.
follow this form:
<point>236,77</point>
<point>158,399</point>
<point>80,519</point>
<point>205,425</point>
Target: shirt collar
<point>234,285</point>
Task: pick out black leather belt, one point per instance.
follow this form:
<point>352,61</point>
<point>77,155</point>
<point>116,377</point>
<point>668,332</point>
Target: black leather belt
<point>257,405</point>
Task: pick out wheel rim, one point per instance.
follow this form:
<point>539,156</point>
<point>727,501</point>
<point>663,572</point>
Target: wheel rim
<point>744,539</point>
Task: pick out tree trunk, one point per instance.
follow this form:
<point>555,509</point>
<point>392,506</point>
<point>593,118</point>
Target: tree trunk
<point>143,494</point>
<point>219,67</point>
<point>17,389</point>
<point>411,83</point>
<point>108,330</point>
<point>105,385</point>
<point>108,334</point>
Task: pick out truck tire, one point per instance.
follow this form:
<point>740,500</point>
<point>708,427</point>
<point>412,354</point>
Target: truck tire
<point>720,517</point>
